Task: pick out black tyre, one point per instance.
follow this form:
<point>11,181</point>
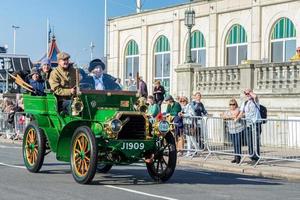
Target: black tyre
<point>84,155</point>
<point>164,163</point>
<point>34,147</point>
<point>103,168</point>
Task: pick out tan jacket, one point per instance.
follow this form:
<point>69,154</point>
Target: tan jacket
<point>61,81</point>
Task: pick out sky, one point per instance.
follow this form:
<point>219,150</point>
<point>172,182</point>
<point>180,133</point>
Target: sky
<point>76,24</point>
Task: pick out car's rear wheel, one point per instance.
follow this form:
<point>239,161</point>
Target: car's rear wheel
<point>164,161</point>
<point>84,152</point>
<point>34,147</point>
<point>103,168</point>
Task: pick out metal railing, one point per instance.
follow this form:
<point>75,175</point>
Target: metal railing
<point>267,139</point>
<point>12,125</point>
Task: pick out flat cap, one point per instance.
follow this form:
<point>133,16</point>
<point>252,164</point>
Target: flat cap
<point>45,61</point>
<point>63,56</point>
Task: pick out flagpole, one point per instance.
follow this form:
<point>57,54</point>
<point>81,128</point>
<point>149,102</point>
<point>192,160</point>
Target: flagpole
<point>105,29</point>
<point>47,37</point>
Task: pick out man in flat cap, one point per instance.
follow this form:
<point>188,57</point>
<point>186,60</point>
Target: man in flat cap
<point>102,81</point>
<point>63,79</point>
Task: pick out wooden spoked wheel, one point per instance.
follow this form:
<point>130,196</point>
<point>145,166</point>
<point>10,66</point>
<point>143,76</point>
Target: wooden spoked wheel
<point>165,158</point>
<point>82,154</point>
<point>31,147</point>
<point>34,147</point>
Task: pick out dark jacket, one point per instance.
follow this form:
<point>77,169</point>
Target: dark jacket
<point>143,89</point>
<point>38,87</point>
<point>159,93</point>
<point>198,108</point>
<point>109,82</point>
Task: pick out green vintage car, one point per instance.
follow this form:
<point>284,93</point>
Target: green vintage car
<point>101,129</point>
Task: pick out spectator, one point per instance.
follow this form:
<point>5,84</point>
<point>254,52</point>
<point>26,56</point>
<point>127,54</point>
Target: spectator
<point>37,83</point>
<point>235,128</point>
<point>200,111</point>
<point>158,93</point>
<point>173,108</point>
<point>296,57</point>
<point>249,110</point>
<point>131,85</point>
<point>153,108</point>
<point>186,113</point>
<point>143,91</point>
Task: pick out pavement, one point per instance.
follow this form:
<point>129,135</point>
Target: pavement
<point>221,163</point>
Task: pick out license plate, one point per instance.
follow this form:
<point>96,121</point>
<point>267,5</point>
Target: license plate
<point>132,146</point>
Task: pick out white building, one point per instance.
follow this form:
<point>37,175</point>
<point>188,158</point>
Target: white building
<point>226,32</point>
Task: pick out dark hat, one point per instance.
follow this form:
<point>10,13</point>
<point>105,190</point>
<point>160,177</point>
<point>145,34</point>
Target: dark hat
<point>169,97</point>
<point>96,62</point>
<point>62,56</point>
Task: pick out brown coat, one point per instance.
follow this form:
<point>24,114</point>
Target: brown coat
<point>61,80</point>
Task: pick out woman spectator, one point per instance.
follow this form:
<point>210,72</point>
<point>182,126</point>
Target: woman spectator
<point>158,93</point>
<point>200,111</point>
<point>235,128</point>
<point>153,108</point>
<point>186,113</point>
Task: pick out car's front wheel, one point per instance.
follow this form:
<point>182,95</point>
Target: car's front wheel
<point>84,151</point>
<point>164,161</point>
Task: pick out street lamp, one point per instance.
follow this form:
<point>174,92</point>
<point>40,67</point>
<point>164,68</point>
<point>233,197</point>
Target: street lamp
<point>92,46</point>
<point>189,22</point>
<point>15,31</point>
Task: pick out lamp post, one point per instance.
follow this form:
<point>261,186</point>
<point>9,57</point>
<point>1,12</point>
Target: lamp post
<point>15,31</point>
<point>189,22</point>
<point>92,46</point>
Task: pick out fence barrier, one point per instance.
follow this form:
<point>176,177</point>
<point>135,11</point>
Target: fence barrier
<point>12,125</point>
<point>267,139</point>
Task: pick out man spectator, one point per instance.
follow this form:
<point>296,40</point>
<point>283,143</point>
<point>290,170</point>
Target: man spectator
<point>36,83</point>
<point>158,93</point>
<point>250,110</point>
<point>63,80</point>
<point>102,81</point>
<point>296,57</point>
<point>143,91</point>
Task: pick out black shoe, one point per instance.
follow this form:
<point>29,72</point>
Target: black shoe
<point>238,161</point>
<point>233,161</point>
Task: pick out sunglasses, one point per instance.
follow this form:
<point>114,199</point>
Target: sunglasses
<point>246,93</point>
<point>232,104</point>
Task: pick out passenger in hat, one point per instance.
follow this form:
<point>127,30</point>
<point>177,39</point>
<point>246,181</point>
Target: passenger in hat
<point>63,80</point>
<point>101,80</point>
<point>37,83</point>
<point>45,70</point>
<point>173,107</point>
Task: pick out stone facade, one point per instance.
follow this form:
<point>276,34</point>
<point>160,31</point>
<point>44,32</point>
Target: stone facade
<point>214,19</point>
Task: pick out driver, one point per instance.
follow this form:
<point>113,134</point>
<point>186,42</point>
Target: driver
<point>63,80</point>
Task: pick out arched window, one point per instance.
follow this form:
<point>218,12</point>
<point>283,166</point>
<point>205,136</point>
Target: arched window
<point>162,61</point>
<point>198,48</point>
<point>236,45</point>
<point>283,40</point>
<point>131,60</point>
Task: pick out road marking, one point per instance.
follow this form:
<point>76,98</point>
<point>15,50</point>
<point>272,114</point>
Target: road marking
<point>14,166</point>
<point>196,172</point>
<point>141,193</point>
<point>9,147</point>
